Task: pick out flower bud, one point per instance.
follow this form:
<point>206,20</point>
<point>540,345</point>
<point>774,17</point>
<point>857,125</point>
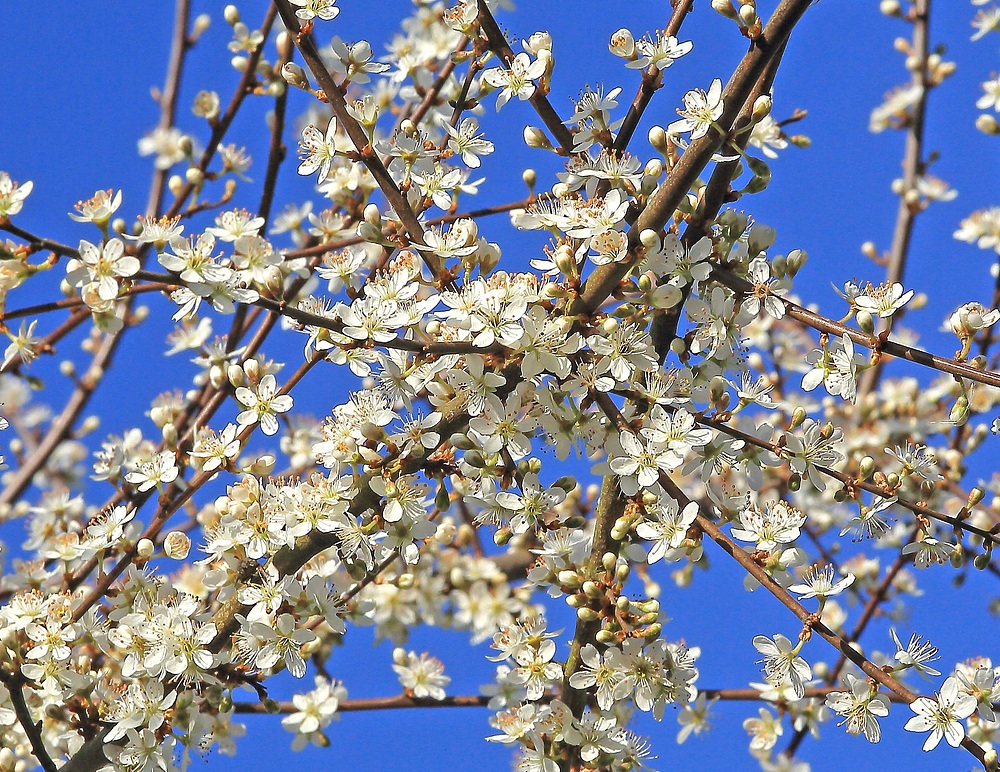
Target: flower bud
<point>761,107</point>
<point>295,76</point>
<point>540,41</point>
<point>649,238</point>
<point>177,545</point>
<point>535,138</point>
<point>622,44</point>
<point>144,549</point>
<point>987,124</point>
<point>865,322</point>
<point>658,138</point>
<point>725,8</point>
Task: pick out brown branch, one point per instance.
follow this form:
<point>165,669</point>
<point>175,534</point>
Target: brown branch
<point>335,98</point>
<point>15,687</point>
<point>498,43</point>
<point>652,80</point>
<point>662,204</point>
<point>913,167</point>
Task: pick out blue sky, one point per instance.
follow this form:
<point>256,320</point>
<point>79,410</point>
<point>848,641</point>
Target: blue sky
<point>77,99</point>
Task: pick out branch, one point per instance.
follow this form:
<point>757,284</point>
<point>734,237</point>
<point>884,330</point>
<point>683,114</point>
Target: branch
<point>15,687</point>
<point>662,204</point>
<point>906,214</point>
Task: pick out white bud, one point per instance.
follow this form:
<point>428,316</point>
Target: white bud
<point>535,138</point>
<point>177,545</point>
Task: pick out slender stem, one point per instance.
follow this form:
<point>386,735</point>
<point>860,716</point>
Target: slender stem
<point>913,167</point>
<point>652,80</point>
<point>538,99</point>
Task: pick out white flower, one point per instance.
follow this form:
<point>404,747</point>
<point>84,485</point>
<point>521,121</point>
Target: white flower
<point>281,642</point>
<point>262,405</point>
<point>765,292</point>
<point>764,731</point>
<point>861,707</point>
<point>942,715</point>
<point>517,81</point>
<point>160,469</point>
<point>317,151</point>
<point>421,676</point>
<point>777,523</point>
<point>818,583</point>
<point>310,9</point>
<point>314,710</point>
<point>701,110</point>
<point>12,195</point>
<point>882,300</point>
<point>668,528</point>
<point>99,208</point>
<point>659,53</point>
<point>782,663</point>
<point>916,654</point>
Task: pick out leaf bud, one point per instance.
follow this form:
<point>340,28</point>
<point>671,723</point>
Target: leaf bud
<point>443,499</point>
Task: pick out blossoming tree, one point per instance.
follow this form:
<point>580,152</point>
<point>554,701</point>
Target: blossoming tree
<point>512,439</point>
